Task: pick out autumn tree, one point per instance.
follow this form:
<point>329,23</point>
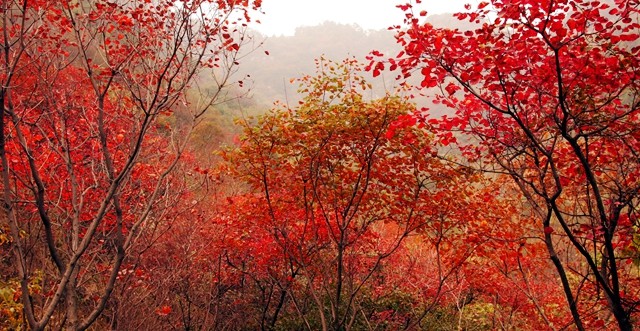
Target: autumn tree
<point>548,93</point>
<point>90,142</point>
<point>337,185</point>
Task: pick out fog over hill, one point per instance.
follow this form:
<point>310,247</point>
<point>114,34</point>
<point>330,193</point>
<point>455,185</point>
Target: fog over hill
<point>293,56</point>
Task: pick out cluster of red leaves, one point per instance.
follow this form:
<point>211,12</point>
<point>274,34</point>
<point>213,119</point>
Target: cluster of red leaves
<point>90,145</point>
<point>548,91</point>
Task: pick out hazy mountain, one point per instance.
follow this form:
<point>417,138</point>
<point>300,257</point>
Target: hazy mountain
<point>293,56</point>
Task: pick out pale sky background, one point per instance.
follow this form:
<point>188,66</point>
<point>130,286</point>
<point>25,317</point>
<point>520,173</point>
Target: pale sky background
<point>281,17</point>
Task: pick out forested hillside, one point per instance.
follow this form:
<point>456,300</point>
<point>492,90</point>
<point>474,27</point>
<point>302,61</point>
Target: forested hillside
<point>166,168</point>
<point>290,57</point>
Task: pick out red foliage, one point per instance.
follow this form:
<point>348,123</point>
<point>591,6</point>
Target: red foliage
<point>88,160</point>
<point>547,91</point>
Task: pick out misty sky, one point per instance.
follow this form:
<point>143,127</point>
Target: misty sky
<point>283,16</point>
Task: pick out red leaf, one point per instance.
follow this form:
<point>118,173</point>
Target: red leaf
<point>451,88</point>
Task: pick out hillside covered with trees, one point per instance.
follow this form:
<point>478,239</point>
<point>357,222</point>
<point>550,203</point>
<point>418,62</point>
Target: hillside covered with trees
<point>166,168</point>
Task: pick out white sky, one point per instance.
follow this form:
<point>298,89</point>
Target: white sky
<point>281,17</point>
